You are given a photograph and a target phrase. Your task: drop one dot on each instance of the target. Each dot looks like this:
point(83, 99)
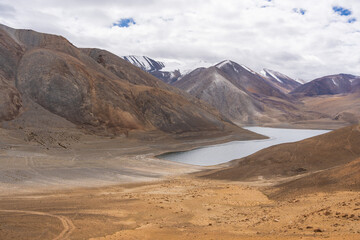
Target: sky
point(304, 39)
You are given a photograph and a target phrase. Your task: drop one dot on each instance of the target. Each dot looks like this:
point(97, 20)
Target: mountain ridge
point(93, 88)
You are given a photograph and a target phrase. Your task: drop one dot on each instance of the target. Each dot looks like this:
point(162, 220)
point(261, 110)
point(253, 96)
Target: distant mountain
point(244, 77)
point(145, 63)
point(213, 86)
point(280, 81)
point(241, 94)
point(154, 67)
point(91, 88)
point(328, 85)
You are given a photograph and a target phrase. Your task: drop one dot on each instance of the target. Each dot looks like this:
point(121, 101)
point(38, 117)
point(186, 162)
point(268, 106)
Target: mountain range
point(46, 75)
point(270, 97)
point(102, 92)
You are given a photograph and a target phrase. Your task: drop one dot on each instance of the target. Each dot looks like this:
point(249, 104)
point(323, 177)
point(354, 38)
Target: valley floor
point(43, 196)
point(178, 208)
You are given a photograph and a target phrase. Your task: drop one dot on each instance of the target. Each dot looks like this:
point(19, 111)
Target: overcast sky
point(301, 38)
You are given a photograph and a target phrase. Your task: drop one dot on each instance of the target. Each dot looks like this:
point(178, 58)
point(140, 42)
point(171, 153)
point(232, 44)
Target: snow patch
point(183, 67)
point(143, 62)
point(273, 75)
point(335, 82)
point(247, 69)
point(263, 73)
point(223, 63)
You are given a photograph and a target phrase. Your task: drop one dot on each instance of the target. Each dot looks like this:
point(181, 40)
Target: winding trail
point(68, 225)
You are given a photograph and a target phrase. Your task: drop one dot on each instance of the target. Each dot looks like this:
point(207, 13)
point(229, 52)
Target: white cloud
point(257, 33)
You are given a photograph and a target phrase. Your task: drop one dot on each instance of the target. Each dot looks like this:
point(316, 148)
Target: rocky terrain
point(246, 97)
point(92, 89)
point(328, 85)
point(280, 81)
point(270, 98)
point(180, 208)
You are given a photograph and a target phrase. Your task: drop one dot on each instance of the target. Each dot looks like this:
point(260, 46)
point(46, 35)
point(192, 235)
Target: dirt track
point(66, 222)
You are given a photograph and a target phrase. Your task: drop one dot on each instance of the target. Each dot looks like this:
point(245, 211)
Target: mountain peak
point(329, 85)
point(223, 63)
point(236, 67)
point(145, 63)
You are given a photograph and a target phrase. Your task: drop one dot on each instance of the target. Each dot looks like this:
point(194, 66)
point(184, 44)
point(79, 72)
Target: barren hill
point(341, 178)
point(92, 88)
point(210, 85)
point(333, 149)
point(243, 96)
point(242, 76)
point(328, 85)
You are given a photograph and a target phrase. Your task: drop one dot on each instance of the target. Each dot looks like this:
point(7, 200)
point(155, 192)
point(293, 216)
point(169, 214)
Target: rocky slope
point(341, 178)
point(280, 81)
point(212, 86)
point(328, 85)
point(92, 88)
point(335, 96)
point(242, 76)
point(242, 95)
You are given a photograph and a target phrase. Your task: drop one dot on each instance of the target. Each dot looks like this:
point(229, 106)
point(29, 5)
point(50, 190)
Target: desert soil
point(178, 208)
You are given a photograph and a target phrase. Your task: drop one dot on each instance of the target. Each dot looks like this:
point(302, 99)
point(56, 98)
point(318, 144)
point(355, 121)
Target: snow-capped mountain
point(245, 77)
point(167, 70)
point(279, 80)
point(240, 93)
point(145, 63)
point(329, 85)
point(155, 68)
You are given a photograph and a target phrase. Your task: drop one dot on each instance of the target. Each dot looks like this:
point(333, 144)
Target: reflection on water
point(216, 154)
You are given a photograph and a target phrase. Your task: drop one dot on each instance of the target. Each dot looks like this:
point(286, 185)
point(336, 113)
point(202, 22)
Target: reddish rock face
point(10, 101)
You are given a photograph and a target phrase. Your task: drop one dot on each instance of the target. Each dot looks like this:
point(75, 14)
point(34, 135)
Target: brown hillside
point(345, 177)
point(329, 150)
point(92, 88)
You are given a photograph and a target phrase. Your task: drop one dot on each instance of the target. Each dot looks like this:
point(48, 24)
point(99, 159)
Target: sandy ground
point(178, 208)
point(43, 195)
point(33, 161)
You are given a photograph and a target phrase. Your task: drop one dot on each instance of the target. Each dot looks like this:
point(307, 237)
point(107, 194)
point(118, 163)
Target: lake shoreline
point(194, 156)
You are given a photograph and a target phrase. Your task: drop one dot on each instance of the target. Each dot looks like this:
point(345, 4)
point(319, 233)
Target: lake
point(221, 153)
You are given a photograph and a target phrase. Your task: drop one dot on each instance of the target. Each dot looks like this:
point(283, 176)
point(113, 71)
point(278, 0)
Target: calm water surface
point(220, 153)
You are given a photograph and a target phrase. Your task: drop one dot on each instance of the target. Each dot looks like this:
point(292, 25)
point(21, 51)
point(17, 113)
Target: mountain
point(242, 95)
point(336, 96)
point(145, 63)
point(155, 68)
point(280, 81)
point(324, 152)
point(91, 88)
point(212, 86)
point(242, 76)
point(328, 85)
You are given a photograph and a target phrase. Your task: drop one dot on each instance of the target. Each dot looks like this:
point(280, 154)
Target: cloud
point(6, 10)
point(303, 39)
